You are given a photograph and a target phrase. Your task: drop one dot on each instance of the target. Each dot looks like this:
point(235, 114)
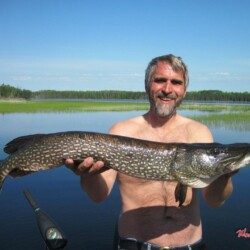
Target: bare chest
point(153, 205)
point(178, 134)
point(150, 193)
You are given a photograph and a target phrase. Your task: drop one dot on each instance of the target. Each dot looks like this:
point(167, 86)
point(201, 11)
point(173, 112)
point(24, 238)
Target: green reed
point(235, 120)
point(78, 106)
point(68, 106)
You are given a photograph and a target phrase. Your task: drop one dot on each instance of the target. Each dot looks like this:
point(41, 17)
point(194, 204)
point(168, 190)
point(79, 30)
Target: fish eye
point(217, 151)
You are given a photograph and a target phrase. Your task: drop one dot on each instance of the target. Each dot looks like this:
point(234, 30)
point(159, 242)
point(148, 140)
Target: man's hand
point(217, 192)
point(97, 184)
point(87, 166)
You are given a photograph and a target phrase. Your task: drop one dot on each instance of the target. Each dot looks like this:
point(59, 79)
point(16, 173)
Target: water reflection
point(232, 124)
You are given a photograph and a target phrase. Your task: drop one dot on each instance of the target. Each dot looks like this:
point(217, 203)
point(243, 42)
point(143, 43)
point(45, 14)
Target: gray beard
point(164, 110)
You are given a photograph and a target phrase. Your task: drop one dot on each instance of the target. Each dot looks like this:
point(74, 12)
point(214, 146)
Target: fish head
point(210, 161)
point(228, 158)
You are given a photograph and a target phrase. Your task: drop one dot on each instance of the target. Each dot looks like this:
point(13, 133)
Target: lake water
point(89, 225)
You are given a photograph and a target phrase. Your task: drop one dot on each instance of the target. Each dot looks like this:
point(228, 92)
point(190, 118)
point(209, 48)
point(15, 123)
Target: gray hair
point(175, 62)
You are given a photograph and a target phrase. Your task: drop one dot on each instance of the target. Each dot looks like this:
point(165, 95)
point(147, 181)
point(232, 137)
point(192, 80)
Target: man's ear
point(185, 93)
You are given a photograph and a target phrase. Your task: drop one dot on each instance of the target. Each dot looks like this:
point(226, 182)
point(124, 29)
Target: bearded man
point(150, 216)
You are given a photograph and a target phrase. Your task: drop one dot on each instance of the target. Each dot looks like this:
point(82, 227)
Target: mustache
point(166, 95)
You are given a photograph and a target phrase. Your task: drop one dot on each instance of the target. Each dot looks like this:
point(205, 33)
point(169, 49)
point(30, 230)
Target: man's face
point(167, 90)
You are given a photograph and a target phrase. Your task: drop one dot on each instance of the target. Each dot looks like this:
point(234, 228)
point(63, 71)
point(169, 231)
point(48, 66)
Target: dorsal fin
point(12, 146)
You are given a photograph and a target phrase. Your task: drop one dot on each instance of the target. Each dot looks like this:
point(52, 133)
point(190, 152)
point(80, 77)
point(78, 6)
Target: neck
point(157, 121)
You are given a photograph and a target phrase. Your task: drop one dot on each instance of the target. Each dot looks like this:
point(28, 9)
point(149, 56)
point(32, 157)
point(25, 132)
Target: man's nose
point(167, 87)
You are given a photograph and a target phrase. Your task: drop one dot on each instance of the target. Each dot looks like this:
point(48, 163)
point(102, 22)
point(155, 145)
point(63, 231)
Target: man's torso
point(149, 209)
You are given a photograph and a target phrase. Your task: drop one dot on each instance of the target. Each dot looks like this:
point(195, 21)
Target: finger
point(96, 167)
point(87, 163)
point(69, 163)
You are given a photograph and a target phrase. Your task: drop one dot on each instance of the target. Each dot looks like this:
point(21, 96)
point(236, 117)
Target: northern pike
point(195, 165)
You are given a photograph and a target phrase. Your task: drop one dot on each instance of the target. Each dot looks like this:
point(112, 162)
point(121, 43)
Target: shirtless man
point(150, 217)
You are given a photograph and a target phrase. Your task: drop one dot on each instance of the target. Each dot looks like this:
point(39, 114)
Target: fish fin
point(12, 146)
point(180, 193)
point(19, 173)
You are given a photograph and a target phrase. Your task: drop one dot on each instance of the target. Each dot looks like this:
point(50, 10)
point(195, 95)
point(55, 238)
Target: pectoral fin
point(180, 193)
point(19, 173)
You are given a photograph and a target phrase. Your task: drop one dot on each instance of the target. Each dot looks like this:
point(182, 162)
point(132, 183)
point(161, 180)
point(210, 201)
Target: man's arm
point(95, 183)
point(217, 192)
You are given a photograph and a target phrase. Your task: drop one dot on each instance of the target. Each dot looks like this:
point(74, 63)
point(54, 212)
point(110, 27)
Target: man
point(150, 217)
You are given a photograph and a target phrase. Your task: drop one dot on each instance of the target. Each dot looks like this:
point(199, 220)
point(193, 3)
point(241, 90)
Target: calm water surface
point(89, 225)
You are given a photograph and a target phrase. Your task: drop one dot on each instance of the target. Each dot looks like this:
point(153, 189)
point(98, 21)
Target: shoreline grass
point(235, 116)
point(77, 106)
point(68, 106)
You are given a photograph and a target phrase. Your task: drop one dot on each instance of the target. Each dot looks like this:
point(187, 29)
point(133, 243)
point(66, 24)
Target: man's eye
point(160, 80)
point(177, 82)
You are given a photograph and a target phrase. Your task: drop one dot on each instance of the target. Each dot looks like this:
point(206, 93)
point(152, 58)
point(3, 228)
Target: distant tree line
point(7, 91)
point(102, 94)
point(217, 95)
point(204, 95)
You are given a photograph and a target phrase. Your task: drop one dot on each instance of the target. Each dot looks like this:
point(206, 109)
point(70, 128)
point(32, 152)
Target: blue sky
point(107, 44)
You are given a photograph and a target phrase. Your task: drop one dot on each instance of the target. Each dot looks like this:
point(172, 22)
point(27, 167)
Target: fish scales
point(195, 165)
point(123, 155)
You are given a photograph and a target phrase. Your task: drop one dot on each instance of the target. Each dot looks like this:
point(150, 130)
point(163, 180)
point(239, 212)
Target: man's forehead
point(166, 67)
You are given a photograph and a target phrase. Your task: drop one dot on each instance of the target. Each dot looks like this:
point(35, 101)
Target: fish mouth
point(234, 162)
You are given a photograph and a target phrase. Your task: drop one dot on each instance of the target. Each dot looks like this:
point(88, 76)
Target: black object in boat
point(51, 233)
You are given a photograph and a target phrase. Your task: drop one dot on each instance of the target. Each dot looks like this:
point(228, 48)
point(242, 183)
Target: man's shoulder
point(198, 131)
point(189, 122)
point(193, 124)
point(127, 127)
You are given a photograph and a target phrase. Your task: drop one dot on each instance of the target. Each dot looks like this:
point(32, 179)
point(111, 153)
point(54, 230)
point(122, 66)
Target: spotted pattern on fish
point(195, 165)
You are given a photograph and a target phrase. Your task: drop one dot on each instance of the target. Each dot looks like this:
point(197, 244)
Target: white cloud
point(219, 76)
point(21, 78)
point(55, 74)
point(222, 74)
